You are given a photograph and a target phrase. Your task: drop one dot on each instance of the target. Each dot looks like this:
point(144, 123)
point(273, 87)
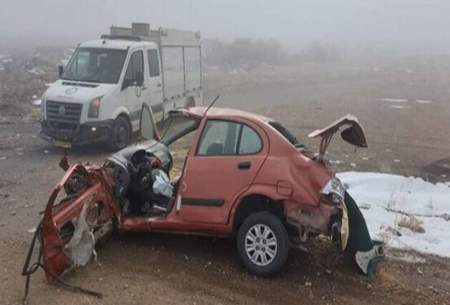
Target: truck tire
point(120, 134)
point(262, 244)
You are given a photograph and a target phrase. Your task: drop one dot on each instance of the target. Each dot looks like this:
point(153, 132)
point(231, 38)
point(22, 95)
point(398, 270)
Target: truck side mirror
point(139, 78)
point(60, 70)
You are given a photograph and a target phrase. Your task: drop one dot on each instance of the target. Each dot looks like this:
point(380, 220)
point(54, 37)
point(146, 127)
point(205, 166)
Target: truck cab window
point(153, 62)
point(136, 64)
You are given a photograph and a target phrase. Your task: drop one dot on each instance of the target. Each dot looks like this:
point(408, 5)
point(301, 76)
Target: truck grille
point(63, 115)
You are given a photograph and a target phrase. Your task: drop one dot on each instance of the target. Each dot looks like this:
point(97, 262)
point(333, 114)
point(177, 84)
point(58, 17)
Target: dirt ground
point(406, 137)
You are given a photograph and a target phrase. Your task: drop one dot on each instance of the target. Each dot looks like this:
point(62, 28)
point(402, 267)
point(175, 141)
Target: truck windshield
point(95, 65)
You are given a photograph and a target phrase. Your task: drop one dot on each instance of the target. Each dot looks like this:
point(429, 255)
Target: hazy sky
point(416, 24)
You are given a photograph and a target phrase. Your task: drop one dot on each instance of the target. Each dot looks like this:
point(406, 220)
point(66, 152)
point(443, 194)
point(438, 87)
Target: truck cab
point(102, 89)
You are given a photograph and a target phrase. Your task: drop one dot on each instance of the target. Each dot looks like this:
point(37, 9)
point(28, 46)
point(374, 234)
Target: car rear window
point(286, 134)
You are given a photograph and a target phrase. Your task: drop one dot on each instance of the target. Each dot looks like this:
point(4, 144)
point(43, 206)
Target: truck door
point(225, 163)
point(154, 83)
point(134, 87)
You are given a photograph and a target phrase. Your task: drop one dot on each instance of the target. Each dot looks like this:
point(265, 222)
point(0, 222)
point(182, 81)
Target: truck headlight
point(94, 108)
point(335, 190)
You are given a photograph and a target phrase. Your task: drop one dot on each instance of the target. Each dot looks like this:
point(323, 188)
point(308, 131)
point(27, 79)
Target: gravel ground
point(170, 269)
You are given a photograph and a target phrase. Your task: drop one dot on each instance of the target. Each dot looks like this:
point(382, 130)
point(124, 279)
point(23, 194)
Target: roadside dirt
point(169, 269)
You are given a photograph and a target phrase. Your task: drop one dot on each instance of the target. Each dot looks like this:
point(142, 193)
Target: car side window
point(153, 62)
point(250, 141)
point(221, 138)
point(136, 64)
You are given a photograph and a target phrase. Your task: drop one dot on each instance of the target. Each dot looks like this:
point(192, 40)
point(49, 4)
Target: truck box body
point(116, 76)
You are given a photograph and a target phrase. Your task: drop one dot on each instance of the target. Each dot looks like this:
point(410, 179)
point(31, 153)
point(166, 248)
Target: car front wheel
point(262, 244)
point(120, 134)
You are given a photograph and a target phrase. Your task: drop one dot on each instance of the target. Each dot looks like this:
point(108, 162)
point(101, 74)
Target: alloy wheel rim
point(261, 245)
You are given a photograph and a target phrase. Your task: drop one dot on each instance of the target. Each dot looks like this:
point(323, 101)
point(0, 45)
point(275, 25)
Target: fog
point(409, 25)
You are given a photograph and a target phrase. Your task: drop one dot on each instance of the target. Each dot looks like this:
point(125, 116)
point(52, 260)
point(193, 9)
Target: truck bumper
point(87, 133)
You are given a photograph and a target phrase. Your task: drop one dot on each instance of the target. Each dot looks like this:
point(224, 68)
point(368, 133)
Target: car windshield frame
point(97, 79)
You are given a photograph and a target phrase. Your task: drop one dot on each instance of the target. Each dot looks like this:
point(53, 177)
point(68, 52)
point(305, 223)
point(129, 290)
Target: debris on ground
point(412, 223)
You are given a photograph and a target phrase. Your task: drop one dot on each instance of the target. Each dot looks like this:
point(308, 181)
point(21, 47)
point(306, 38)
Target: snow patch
point(394, 100)
point(424, 101)
point(385, 199)
point(399, 107)
point(36, 71)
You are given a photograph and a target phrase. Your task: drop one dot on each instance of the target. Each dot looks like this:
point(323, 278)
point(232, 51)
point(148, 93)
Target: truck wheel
point(262, 244)
point(120, 134)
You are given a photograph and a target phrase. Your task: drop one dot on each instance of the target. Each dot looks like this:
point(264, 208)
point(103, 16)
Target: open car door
point(147, 125)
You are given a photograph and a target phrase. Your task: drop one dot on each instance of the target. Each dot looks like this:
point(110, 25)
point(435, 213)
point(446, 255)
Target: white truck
point(101, 91)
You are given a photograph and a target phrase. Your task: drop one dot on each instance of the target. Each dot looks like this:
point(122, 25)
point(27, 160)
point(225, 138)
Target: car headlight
point(94, 108)
point(335, 190)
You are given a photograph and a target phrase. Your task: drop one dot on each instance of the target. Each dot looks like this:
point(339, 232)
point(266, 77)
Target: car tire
point(262, 244)
point(120, 135)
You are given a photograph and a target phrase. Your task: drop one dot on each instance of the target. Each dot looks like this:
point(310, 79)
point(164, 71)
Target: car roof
point(229, 113)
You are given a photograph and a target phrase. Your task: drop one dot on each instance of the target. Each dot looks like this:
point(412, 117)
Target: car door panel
point(210, 184)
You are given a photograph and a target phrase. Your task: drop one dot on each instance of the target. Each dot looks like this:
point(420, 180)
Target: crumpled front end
point(72, 226)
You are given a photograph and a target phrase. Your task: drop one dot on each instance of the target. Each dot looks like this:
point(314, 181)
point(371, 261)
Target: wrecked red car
point(244, 176)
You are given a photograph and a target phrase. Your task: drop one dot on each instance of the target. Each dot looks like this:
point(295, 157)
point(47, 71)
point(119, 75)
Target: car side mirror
point(139, 78)
point(60, 70)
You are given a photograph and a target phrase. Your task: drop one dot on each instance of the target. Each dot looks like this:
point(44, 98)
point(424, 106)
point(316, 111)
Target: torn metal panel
point(81, 246)
point(71, 227)
point(357, 137)
point(353, 133)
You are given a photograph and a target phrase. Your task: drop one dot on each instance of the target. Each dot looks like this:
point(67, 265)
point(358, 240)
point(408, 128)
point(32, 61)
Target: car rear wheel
point(262, 244)
point(120, 134)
